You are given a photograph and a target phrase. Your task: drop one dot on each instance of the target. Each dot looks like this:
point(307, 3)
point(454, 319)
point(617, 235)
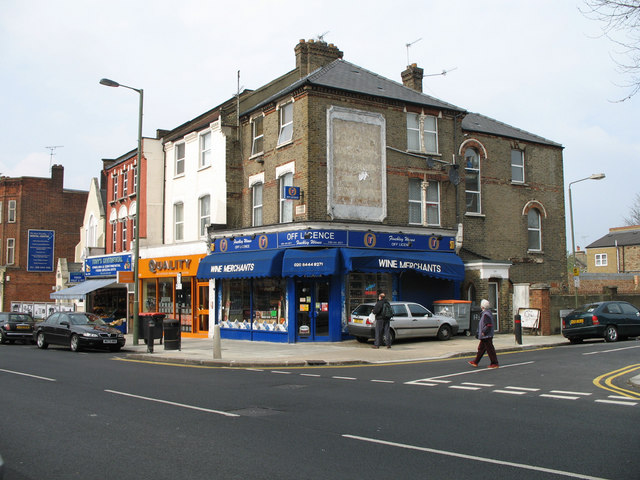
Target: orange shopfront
point(168, 285)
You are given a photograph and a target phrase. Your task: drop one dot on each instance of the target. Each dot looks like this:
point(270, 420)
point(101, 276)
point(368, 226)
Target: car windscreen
point(363, 310)
point(19, 318)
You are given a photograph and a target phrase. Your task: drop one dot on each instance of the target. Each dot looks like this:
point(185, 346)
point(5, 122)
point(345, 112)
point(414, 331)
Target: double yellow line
point(606, 381)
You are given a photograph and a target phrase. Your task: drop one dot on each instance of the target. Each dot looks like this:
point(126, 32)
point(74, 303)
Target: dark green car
point(613, 321)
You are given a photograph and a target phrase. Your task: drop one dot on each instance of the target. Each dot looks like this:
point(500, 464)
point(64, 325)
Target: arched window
point(534, 228)
point(472, 180)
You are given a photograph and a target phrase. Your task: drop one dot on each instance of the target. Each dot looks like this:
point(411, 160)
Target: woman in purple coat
point(485, 335)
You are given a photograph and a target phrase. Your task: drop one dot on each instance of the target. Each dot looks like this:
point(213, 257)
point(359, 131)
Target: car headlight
point(89, 334)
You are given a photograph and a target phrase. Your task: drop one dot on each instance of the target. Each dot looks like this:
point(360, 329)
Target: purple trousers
point(486, 345)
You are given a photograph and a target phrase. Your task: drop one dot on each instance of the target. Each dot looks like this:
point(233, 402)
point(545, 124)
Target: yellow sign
point(576, 272)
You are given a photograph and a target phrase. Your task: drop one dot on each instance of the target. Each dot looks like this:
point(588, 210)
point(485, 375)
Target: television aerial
point(52, 149)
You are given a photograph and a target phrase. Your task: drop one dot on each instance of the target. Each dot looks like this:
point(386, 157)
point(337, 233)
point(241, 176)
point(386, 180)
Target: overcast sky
point(538, 65)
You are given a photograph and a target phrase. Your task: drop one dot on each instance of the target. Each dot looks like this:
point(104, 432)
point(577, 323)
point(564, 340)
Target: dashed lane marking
point(609, 351)
point(28, 375)
point(510, 392)
point(464, 387)
point(560, 397)
point(345, 378)
point(383, 381)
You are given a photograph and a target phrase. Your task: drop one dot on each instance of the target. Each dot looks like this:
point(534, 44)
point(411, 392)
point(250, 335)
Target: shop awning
point(434, 264)
point(80, 290)
point(305, 263)
point(263, 263)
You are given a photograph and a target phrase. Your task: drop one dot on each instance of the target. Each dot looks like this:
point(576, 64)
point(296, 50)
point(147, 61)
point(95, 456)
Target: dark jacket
point(377, 309)
point(485, 327)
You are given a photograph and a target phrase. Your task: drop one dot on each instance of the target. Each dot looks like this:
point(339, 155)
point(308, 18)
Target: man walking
point(383, 321)
point(485, 335)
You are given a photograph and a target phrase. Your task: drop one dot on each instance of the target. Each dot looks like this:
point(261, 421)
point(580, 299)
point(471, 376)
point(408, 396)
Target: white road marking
point(282, 373)
point(618, 397)
point(463, 387)
point(344, 378)
point(561, 397)
point(487, 385)
point(618, 402)
point(510, 392)
point(473, 458)
point(175, 404)
point(468, 372)
point(383, 381)
point(28, 375)
point(430, 382)
point(526, 389)
point(563, 392)
point(609, 351)
point(309, 375)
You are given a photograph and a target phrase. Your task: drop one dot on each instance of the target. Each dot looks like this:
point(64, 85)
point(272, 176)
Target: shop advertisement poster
point(107, 266)
point(40, 251)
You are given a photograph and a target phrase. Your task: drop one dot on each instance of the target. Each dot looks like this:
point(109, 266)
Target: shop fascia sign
point(107, 266)
point(333, 238)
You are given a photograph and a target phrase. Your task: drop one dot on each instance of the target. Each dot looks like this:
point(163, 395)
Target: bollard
point(151, 325)
point(517, 328)
point(217, 346)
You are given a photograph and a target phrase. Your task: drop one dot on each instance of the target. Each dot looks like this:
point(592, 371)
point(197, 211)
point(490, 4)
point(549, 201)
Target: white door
point(493, 299)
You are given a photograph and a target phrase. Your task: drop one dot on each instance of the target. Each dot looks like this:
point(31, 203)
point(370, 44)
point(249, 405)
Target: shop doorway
point(202, 325)
point(312, 310)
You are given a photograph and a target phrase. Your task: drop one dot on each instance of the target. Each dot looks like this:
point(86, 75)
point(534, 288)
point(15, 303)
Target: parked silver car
point(409, 320)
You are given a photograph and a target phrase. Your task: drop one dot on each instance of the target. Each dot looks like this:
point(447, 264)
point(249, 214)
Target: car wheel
point(40, 341)
point(362, 339)
point(444, 333)
point(611, 334)
point(575, 340)
point(74, 344)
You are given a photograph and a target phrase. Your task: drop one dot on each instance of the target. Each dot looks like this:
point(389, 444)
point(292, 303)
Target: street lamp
point(594, 176)
point(136, 245)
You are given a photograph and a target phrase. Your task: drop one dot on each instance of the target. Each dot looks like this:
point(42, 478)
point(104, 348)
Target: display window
point(258, 304)
point(364, 288)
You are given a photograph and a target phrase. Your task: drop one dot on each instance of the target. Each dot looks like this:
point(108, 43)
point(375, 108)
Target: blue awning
point(434, 264)
point(263, 263)
point(80, 290)
point(304, 262)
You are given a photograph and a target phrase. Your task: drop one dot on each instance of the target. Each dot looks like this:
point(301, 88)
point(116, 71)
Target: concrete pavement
point(241, 353)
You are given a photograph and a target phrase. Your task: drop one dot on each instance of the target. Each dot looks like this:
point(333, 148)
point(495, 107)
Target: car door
point(46, 328)
point(400, 322)
point(631, 319)
point(424, 322)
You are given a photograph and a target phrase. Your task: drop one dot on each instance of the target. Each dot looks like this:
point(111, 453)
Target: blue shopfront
point(300, 285)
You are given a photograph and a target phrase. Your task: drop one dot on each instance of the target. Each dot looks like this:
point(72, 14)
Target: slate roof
point(343, 75)
point(474, 122)
point(624, 239)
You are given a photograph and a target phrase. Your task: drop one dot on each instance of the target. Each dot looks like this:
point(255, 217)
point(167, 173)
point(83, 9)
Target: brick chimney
point(412, 77)
point(57, 176)
point(312, 55)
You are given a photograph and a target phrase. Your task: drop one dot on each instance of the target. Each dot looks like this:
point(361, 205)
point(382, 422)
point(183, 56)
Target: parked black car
point(609, 320)
point(16, 326)
point(77, 330)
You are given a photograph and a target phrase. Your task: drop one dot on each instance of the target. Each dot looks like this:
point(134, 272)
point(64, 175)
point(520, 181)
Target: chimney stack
point(312, 55)
point(412, 77)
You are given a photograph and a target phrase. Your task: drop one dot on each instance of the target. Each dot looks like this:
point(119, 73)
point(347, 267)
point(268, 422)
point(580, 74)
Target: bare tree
point(621, 24)
point(634, 212)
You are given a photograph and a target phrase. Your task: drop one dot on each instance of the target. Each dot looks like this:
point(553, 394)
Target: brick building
point(616, 252)
point(40, 223)
point(350, 183)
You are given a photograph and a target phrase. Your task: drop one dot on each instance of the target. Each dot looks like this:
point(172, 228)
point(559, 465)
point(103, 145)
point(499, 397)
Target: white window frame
point(517, 168)
point(1, 211)
point(601, 260)
point(204, 216)
point(417, 134)
point(286, 206)
point(285, 130)
point(135, 179)
point(205, 150)
point(179, 161)
point(178, 221)
point(11, 211)
point(114, 237)
point(257, 219)
point(115, 186)
point(125, 183)
point(433, 203)
point(257, 138)
point(474, 171)
point(535, 230)
point(415, 204)
point(11, 251)
point(124, 234)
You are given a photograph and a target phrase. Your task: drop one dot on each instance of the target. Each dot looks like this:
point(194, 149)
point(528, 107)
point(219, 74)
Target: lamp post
point(594, 176)
point(136, 245)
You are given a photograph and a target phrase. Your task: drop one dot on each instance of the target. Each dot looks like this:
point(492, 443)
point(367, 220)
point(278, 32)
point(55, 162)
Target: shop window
point(266, 295)
point(165, 295)
point(236, 304)
point(148, 295)
point(364, 288)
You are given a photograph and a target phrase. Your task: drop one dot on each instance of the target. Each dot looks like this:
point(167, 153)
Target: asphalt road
point(565, 412)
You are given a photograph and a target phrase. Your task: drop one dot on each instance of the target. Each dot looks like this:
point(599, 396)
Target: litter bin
point(143, 326)
point(172, 336)
point(458, 309)
point(476, 313)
